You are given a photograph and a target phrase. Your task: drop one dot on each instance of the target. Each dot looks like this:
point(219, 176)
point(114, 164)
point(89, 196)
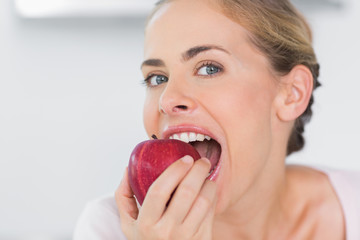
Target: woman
point(241, 72)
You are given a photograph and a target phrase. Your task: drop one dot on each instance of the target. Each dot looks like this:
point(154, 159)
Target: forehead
point(182, 24)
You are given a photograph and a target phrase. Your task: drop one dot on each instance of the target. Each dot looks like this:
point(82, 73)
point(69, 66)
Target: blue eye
point(208, 69)
point(154, 80)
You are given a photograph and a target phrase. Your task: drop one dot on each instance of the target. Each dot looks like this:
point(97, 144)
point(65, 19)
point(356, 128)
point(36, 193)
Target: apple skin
point(150, 158)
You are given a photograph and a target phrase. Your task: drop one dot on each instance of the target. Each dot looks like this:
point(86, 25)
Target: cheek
point(241, 106)
point(244, 113)
point(150, 114)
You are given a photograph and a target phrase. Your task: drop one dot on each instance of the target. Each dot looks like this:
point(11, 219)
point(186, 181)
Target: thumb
point(125, 201)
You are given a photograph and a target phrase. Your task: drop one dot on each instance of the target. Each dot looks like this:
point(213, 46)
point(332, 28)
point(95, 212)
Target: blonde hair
point(282, 34)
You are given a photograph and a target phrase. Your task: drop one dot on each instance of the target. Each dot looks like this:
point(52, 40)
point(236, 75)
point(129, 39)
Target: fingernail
point(206, 160)
point(187, 159)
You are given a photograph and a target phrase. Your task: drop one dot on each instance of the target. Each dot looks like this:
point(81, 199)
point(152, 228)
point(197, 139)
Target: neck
point(261, 210)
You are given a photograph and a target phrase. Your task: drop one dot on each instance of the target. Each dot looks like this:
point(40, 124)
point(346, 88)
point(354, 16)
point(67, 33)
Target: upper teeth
point(189, 137)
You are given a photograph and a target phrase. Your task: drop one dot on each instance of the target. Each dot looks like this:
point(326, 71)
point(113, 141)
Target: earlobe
point(295, 93)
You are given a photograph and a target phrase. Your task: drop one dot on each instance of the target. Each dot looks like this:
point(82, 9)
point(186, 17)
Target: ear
point(295, 91)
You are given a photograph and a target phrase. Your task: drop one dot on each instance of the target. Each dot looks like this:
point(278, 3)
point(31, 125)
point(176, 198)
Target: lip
point(196, 129)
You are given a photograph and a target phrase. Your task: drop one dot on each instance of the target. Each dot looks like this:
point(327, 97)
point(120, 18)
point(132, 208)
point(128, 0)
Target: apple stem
point(154, 136)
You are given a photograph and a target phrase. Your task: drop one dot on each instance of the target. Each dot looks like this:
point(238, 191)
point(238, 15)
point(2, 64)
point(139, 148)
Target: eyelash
point(207, 64)
point(146, 81)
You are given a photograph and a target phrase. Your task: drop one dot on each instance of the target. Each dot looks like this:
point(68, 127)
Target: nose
point(176, 98)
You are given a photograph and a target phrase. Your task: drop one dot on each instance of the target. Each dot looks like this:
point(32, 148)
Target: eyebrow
point(192, 52)
point(153, 63)
point(186, 56)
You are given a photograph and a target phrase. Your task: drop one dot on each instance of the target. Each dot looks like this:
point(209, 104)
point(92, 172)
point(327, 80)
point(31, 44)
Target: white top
point(100, 219)
point(347, 187)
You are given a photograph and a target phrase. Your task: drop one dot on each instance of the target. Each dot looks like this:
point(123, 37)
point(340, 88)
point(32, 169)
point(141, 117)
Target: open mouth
point(205, 145)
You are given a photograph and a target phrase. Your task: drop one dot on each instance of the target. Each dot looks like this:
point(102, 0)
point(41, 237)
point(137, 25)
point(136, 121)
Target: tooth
point(200, 137)
point(207, 137)
point(175, 136)
point(184, 137)
point(171, 137)
point(192, 137)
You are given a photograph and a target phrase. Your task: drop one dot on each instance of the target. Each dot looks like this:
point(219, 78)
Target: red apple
point(150, 158)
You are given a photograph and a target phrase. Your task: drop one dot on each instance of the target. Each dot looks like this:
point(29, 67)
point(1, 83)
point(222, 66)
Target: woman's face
point(204, 76)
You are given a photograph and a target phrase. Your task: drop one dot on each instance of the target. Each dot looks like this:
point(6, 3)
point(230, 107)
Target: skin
point(251, 110)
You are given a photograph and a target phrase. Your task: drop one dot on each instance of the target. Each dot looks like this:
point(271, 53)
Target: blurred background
point(71, 103)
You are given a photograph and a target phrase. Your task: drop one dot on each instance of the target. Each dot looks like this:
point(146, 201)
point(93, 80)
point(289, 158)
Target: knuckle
point(204, 201)
point(187, 191)
point(183, 232)
point(155, 187)
point(178, 233)
point(157, 192)
point(143, 227)
point(162, 232)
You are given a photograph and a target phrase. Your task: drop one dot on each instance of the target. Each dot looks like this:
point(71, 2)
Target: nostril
point(174, 109)
point(181, 107)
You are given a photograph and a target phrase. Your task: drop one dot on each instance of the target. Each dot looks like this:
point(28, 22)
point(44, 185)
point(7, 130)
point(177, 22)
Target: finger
point(160, 191)
point(187, 192)
point(206, 227)
point(125, 201)
point(201, 207)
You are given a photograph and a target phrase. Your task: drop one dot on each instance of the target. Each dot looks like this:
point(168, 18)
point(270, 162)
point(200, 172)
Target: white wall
point(70, 111)
point(70, 114)
point(333, 134)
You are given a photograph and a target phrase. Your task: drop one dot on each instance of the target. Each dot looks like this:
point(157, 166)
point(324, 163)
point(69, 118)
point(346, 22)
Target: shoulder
point(346, 186)
point(99, 220)
point(346, 183)
point(318, 207)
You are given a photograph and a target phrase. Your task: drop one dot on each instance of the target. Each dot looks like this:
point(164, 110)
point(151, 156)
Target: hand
point(189, 214)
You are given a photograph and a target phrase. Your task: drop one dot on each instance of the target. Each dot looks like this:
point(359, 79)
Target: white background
point(71, 111)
